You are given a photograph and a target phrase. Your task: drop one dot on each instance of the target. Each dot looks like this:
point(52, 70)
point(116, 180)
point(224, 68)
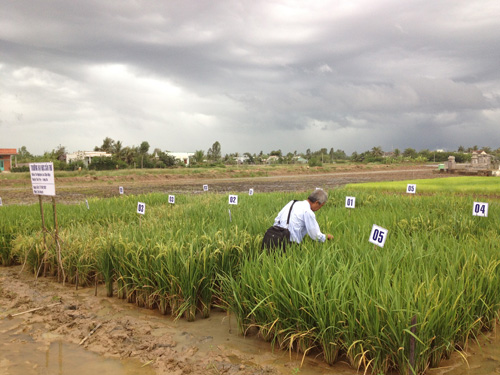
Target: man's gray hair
point(318, 195)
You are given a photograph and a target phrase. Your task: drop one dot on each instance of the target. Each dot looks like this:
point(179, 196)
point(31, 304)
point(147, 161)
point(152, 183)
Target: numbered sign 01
point(378, 235)
point(141, 208)
point(480, 209)
point(233, 199)
point(350, 202)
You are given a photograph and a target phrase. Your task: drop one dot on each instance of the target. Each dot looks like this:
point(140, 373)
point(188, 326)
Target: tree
point(199, 156)
point(214, 153)
point(377, 151)
point(410, 153)
point(59, 153)
point(107, 146)
point(117, 149)
point(143, 150)
point(24, 154)
point(250, 158)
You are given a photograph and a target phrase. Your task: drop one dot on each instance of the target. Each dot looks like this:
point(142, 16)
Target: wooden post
point(44, 230)
point(58, 245)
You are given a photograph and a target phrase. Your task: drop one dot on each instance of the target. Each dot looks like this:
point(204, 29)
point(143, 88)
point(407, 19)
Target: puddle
point(21, 355)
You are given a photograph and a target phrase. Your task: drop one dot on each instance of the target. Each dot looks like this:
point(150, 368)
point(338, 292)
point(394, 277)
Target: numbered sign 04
point(480, 209)
point(378, 235)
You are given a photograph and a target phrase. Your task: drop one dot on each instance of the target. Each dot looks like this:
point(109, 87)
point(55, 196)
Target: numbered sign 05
point(171, 199)
point(378, 235)
point(480, 209)
point(233, 199)
point(141, 208)
point(350, 202)
point(411, 188)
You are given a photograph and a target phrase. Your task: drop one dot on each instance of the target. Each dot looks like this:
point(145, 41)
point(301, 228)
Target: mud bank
point(132, 340)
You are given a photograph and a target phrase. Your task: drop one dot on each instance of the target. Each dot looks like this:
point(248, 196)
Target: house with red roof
point(6, 158)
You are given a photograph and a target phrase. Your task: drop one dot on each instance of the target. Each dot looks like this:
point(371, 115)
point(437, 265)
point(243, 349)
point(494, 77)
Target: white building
point(86, 156)
point(182, 156)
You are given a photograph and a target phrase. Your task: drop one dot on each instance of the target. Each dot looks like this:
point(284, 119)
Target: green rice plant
point(342, 299)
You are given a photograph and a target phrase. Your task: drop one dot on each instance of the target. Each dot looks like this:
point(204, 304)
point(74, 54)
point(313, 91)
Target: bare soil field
point(76, 189)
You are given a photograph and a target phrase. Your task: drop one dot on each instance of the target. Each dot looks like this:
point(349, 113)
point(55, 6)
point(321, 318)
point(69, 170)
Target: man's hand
point(329, 237)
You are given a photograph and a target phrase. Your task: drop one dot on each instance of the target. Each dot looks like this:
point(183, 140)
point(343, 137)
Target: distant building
point(86, 156)
point(273, 159)
point(182, 156)
point(481, 164)
point(6, 158)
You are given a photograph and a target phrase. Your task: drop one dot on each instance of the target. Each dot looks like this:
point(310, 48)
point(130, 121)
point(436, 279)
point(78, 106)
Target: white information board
point(411, 188)
point(480, 209)
point(171, 199)
point(350, 202)
point(378, 235)
point(233, 199)
point(42, 178)
point(141, 208)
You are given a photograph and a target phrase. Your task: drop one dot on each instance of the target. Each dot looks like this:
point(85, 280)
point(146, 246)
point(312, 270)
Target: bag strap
point(289, 213)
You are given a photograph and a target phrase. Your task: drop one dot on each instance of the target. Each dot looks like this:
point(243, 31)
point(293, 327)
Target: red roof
point(8, 151)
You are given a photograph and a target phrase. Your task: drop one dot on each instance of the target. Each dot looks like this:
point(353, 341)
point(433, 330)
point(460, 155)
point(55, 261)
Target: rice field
point(403, 307)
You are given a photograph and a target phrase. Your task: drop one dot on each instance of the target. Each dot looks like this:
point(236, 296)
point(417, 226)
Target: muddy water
point(21, 355)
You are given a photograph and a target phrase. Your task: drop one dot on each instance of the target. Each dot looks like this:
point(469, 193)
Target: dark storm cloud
point(183, 74)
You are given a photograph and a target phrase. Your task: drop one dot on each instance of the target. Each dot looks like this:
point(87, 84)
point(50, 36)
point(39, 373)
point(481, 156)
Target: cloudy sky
point(255, 75)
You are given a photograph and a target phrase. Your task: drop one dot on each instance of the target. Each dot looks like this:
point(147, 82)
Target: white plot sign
point(250, 192)
point(233, 199)
point(141, 208)
point(42, 178)
point(350, 202)
point(480, 209)
point(378, 235)
point(205, 187)
point(411, 188)
point(171, 199)
point(1, 204)
point(120, 189)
